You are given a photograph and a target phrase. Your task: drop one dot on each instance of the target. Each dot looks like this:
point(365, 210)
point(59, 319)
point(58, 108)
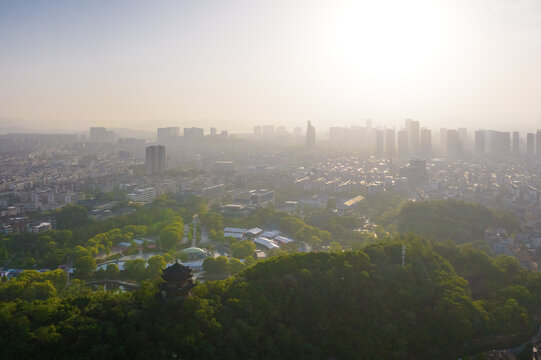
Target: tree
point(216, 235)
point(234, 266)
point(155, 266)
point(3, 253)
point(112, 271)
point(71, 216)
point(39, 291)
point(80, 251)
point(167, 257)
point(171, 235)
point(221, 265)
point(85, 265)
point(136, 269)
point(331, 204)
point(209, 264)
point(58, 277)
point(249, 261)
point(215, 265)
point(242, 249)
point(315, 241)
point(335, 247)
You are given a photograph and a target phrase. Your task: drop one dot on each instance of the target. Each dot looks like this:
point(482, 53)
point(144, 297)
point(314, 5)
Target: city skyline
point(70, 65)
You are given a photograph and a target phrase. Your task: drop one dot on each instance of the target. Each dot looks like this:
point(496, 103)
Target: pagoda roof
point(177, 272)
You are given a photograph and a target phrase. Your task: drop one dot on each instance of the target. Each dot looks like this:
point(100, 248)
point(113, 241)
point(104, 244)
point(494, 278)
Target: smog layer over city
point(270, 179)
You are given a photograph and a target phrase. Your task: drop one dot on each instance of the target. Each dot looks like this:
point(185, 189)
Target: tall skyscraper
point(102, 135)
point(355, 136)
point(336, 135)
point(281, 131)
point(379, 143)
point(390, 143)
point(194, 132)
point(368, 133)
point(530, 142)
point(403, 140)
point(454, 146)
point(463, 137)
point(155, 160)
point(407, 124)
point(414, 136)
point(426, 141)
point(480, 142)
point(310, 135)
point(213, 131)
point(443, 139)
point(500, 143)
point(368, 125)
point(98, 134)
point(257, 131)
point(168, 134)
point(538, 144)
point(268, 131)
point(516, 143)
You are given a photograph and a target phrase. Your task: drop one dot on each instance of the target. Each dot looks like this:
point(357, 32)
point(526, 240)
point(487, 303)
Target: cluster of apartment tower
point(412, 140)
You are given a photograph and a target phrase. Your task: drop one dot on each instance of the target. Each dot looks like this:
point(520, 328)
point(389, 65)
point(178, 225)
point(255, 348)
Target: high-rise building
point(480, 142)
point(379, 143)
point(213, 131)
point(500, 143)
point(530, 142)
point(402, 142)
point(102, 135)
point(516, 143)
point(98, 134)
point(281, 131)
point(336, 135)
point(454, 145)
point(310, 135)
point(155, 160)
point(538, 144)
point(414, 136)
point(407, 124)
point(268, 131)
point(443, 139)
point(390, 143)
point(426, 141)
point(463, 137)
point(257, 131)
point(354, 136)
point(194, 132)
point(168, 134)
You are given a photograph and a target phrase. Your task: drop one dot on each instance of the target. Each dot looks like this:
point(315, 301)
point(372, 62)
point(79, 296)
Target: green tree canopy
point(85, 265)
point(242, 249)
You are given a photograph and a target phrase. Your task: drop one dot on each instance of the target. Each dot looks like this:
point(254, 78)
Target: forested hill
point(352, 305)
point(450, 219)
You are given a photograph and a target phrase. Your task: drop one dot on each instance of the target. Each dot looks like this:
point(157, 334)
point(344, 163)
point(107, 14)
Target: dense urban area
point(413, 243)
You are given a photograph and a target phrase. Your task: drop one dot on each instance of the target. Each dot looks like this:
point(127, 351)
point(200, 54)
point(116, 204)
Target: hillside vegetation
point(450, 219)
point(347, 305)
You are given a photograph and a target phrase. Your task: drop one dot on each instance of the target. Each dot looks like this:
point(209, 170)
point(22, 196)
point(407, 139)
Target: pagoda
point(178, 281)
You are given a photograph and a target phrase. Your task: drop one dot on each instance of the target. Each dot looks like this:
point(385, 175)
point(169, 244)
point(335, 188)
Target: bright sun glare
point(392, 41)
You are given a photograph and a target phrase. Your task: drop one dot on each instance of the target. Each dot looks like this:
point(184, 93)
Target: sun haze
point(70, 65)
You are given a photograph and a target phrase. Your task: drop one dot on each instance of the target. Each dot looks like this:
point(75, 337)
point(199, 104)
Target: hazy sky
point(232, 64)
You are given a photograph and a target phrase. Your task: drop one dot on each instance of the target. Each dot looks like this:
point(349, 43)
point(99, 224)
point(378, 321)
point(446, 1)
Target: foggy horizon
point(69, 66)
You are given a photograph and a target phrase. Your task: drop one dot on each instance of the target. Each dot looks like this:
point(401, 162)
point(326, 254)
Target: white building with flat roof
point(143, 195)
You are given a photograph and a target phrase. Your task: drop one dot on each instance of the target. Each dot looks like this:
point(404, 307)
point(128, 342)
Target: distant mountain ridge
point(9, 125)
